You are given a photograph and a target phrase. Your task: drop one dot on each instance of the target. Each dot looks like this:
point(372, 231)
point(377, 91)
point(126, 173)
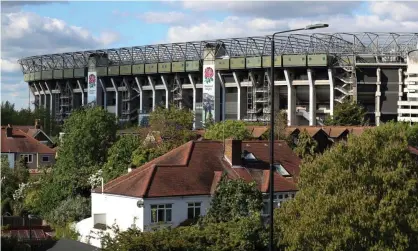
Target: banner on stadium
point(92, 87)
point(208, 101)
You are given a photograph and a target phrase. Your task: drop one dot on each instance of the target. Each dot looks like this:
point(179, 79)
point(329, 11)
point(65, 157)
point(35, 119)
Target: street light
point(309, 27)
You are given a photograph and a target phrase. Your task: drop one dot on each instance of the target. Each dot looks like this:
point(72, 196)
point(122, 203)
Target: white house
point(177, 186)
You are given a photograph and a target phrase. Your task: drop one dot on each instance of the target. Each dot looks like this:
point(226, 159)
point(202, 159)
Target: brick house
point(16, 144)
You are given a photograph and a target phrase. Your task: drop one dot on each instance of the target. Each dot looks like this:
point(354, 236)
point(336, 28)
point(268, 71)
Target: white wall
point(179, 207)
point(121, 210)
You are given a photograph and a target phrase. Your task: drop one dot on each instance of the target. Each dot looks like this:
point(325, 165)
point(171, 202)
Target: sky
point(36, 28)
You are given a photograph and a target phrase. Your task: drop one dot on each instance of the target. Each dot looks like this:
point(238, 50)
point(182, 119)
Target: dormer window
point(281, 170)
point(248, 156)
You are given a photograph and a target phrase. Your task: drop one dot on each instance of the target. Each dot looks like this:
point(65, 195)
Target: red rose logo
point(92, 79)
point(208, 72)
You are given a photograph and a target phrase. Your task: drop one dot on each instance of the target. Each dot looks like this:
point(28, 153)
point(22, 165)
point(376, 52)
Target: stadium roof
point(372, 43)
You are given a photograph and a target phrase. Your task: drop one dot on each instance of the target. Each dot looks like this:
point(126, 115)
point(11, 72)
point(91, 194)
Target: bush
point(228, 129)
point(70, 210)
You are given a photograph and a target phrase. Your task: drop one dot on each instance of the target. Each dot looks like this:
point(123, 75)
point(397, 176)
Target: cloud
point(15, 6)
point(28, 34)
point(171, 17)
point(234, 26)
point(273, 9)
point(399, 11)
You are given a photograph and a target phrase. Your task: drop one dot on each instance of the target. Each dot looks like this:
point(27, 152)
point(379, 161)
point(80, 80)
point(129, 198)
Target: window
point(249, 156)
point(45, 158)
point(193, 210)
point(161, 213)
point(280, 169)
point(28, 157)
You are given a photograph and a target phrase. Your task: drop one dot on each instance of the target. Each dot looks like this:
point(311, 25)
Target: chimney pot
point(233, 151)
point(9, 131)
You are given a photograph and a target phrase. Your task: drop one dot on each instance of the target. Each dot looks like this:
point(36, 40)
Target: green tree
point(228, 129)
point(8, 185)
point(412, 135)
point(234, 199)
point(280, 127)
point(70, 210)
point(359, 195)
point(120, 156)
point(306, 146)
point(89, 133)
point(348, 113)
point(144, 154)
point(173, 124)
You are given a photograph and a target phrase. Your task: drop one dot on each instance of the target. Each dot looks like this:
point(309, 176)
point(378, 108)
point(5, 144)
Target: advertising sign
point(208, 101)
point(91, 87)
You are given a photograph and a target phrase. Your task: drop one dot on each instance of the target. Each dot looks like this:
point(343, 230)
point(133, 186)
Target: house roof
point(21, 142)
point(257, 131)
point(196, 167)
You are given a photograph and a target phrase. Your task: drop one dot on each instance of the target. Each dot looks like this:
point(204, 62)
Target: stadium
point(228, 78)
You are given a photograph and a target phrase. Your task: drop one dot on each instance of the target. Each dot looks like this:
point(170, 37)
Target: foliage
point(70, 210)
point(209, 121)
point(234, 199)
point(228, 129)
point(143, 154)
point(9, 115)
point(348, 113)
point(120, 156)
point(280, 126)
point(359, 195)
point(173, 124)
point(13, 184)
point(306, 146)
point(89, 133)
point(412, 135)
point(246, 233)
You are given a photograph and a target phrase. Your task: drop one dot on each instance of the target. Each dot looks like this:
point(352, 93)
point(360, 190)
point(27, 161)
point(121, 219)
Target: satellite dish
point(140, 203)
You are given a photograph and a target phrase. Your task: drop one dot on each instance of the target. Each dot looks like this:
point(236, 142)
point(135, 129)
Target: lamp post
point(309, 27)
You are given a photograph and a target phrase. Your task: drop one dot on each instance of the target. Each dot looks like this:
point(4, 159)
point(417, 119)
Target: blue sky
point(41, 28)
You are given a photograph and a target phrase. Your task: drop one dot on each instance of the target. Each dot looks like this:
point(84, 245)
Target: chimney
point(9, 131)
point(37, 123)
point(233, 151)
point(131, 168)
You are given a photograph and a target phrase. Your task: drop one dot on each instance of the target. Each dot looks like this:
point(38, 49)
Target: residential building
point(16, 144)
point(36, 132)
point(178, 185)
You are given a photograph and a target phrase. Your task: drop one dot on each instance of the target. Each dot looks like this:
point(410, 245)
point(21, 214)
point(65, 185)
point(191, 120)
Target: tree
point(89, 133)
point(173, 124)
point(412, 135)
point(348, 113)
point(228, 129)
point(70, 210)
point(306, 146)
point(120, 156)
point(359, 195)
point(280, 128)
point(234, 199)
point(144, 154)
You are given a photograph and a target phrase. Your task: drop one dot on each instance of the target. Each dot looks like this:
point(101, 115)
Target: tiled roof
point(196, 167)
point(257, 131)
point(21, 142)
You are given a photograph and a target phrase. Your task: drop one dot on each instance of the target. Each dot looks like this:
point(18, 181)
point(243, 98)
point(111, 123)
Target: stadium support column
point(50, 98)
point(331, 92)
point(194, 99)
point(43, 91)
point(39, 94)
point(140, 93)
point(239, 99)
point(167, 93)
point(82, 92)
point(291, 99)
point(312, 99)
point(377, 99)
point(151, 83)
point(117, 97)
point(211, 87)
point(104, 92)
point(221, 80)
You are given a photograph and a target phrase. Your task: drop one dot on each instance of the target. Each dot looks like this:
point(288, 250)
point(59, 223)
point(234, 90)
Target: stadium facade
point(228, 78)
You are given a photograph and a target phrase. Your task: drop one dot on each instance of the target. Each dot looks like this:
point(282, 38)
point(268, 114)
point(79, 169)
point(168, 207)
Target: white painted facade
point(123, 211)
